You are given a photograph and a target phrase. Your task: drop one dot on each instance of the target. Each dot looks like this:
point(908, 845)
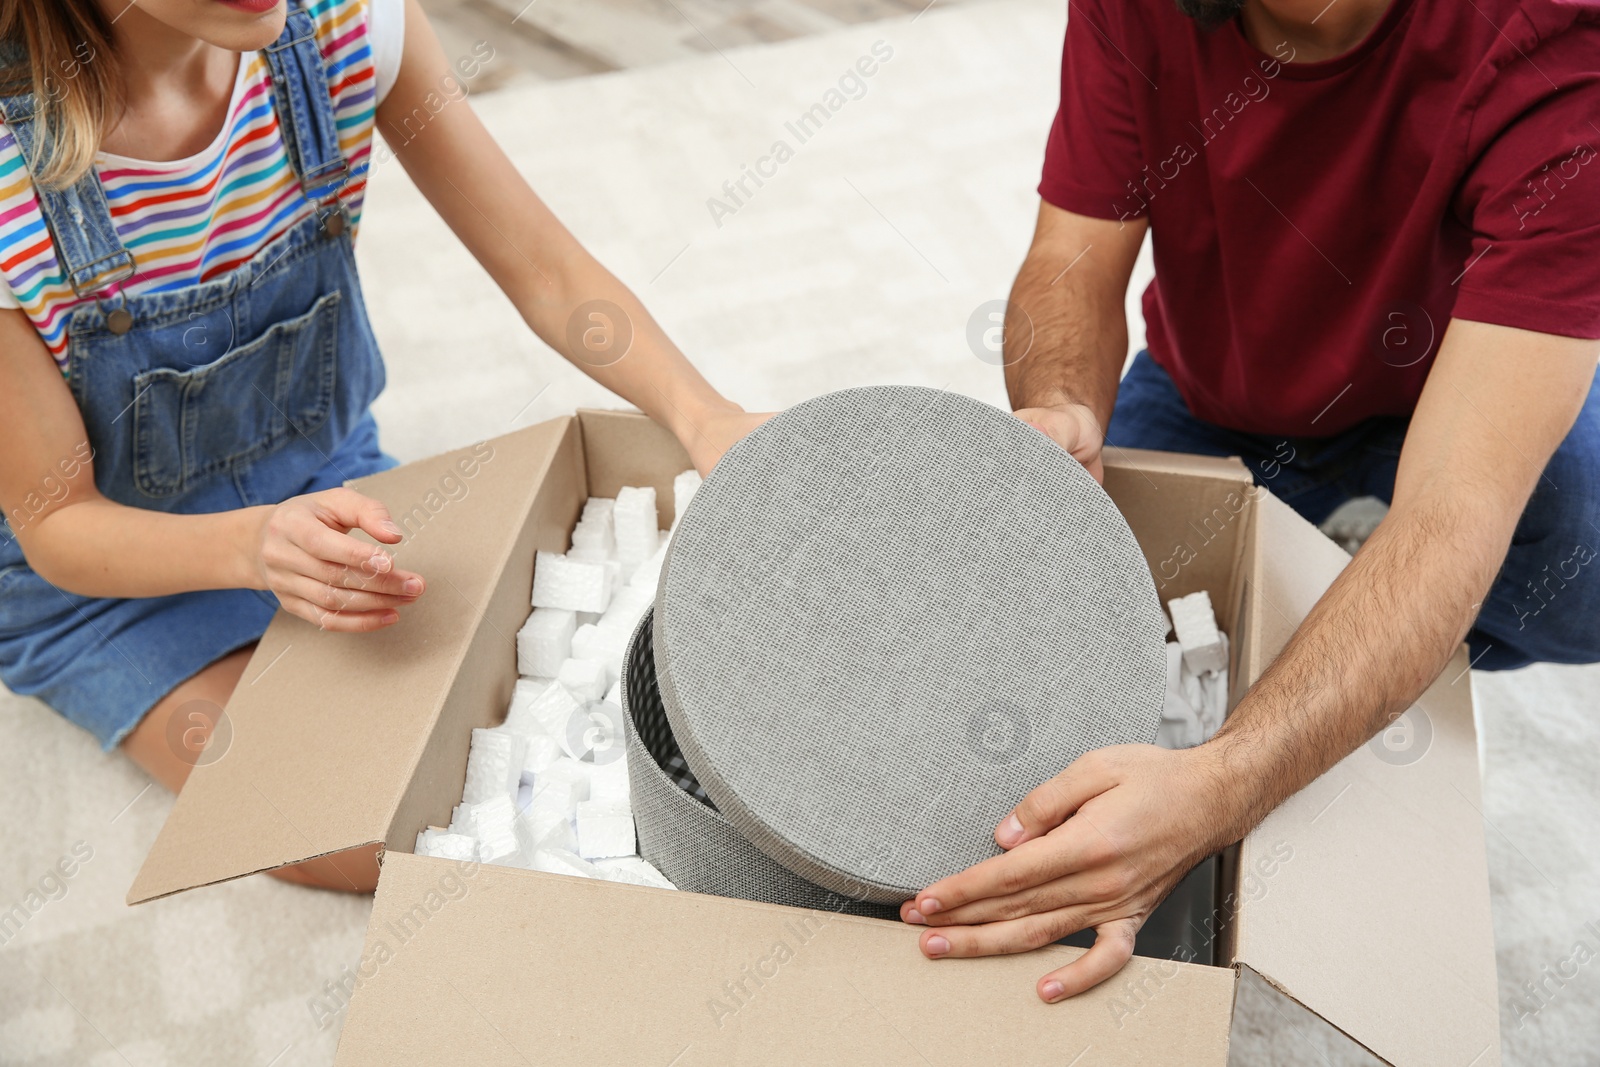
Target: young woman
point(186, 365)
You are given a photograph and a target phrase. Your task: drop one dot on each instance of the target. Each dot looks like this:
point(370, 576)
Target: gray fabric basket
point(679, 829)
point(887, 615)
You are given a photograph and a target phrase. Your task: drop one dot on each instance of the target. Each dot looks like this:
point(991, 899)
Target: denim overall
point(247, 389)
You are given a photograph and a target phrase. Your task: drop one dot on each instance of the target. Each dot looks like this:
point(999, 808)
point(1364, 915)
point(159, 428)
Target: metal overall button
point(334, 222)
point(104, 287)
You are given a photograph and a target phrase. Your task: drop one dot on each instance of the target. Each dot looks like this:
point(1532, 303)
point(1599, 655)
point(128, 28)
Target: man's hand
point(1061, 375)
point(1099, 845)
point(1074, 428)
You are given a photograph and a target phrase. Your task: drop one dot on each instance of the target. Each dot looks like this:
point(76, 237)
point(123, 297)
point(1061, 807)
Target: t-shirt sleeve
point(7, 301)
point(386, 35)
point(1531, 199)
point(1093, 151)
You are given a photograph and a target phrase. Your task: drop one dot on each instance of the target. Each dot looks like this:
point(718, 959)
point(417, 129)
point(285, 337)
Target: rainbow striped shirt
point(190, 220)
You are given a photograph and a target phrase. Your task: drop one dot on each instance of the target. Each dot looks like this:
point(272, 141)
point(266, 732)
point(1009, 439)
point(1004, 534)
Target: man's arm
point(1062, 373)
point(1103, 842)
point(1497, 404)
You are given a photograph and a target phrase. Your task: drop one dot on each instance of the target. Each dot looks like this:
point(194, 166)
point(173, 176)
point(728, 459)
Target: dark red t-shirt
point(1317, 225)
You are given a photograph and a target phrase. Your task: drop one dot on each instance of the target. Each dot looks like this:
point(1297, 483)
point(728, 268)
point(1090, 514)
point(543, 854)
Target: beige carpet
point(860, 262)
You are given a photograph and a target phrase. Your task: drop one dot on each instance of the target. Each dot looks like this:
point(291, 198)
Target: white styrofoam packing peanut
point(684, 487)
point(494, 765)
point(543, 750)
point(638, 530)
point(544, 641)
point(596, 535)
point(568, 771)
point(563, 861)
point(595, 737)
point(559, 582)
point(605, 829)
point(496, 822)
point(632, 870)
point(587, 605)
point(628, 604)
point(1207, 693)
point(449, 846)
point(544, 707)
point(1194, 705)
point(614, 660)
point(609, 781)
point(648, 574)
point(585, 679)
point(1196, 626)
point(525, 696)
point(586, 641)
point(462, 821)
point(547, 822)
point(608, 646)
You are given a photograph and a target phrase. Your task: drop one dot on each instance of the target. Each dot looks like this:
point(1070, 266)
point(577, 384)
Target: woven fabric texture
point(890, 613)
point(678, 829)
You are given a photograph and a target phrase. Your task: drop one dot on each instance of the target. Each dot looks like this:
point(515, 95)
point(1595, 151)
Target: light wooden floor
point(547, 40)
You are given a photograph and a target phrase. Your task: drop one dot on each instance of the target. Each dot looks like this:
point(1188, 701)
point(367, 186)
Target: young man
point(1376, 228)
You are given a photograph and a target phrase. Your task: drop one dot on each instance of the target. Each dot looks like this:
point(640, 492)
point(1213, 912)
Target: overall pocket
point(191, 424)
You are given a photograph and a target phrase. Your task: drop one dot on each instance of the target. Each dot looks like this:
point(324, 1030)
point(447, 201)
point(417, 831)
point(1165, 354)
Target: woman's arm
point(82, 542)
point(538, 264)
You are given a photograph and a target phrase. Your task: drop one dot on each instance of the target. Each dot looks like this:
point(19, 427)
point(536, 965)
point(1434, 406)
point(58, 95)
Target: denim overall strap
point(87, 246)
point(305, 112)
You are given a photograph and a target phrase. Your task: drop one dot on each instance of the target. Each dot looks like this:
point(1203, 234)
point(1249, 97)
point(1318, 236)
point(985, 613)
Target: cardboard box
point(1364, 898)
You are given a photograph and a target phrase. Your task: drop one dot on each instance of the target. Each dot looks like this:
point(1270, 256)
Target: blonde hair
point(72, 72)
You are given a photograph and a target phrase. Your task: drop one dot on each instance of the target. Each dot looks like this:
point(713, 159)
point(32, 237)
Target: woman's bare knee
point(173, 736)
point(355, 871)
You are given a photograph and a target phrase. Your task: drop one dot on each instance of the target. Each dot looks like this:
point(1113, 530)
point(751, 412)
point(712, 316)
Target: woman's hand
point(303, 553)
point(716, 433)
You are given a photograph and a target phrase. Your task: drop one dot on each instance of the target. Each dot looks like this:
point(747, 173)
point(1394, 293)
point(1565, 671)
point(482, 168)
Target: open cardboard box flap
point(507, 968)
point(335, 741)
point(1379, 922)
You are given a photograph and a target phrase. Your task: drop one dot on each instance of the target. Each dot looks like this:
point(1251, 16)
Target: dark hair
point(1210, 14)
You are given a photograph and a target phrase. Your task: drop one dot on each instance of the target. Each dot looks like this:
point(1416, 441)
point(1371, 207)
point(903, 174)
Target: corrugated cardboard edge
point(472, 965)
point(1246, 971)
point(1227, 468)
point(1400, 902)
point(223, 825)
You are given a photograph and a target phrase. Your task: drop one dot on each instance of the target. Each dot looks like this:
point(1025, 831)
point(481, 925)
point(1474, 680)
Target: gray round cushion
point(679, 831)
point(887, 616)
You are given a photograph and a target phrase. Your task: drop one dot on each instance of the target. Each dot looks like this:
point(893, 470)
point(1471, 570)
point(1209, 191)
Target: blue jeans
point(1544, 605)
